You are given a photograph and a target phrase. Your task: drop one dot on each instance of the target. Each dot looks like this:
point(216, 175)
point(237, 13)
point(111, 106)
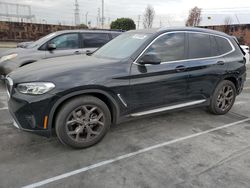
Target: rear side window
point(223, 44)
point(199, 46)
point(115, 35)
point(95, 40)
point(214, 46)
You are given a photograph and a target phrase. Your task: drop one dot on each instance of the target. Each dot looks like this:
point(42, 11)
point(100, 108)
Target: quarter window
point(114, 35)
point(199, 46)
point(67, 41)
point(95, 40)
point(224, 45)
point(170, 47)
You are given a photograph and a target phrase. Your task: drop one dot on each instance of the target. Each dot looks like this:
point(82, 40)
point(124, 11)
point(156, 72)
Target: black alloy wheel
point(223, 98)
point(83, 122)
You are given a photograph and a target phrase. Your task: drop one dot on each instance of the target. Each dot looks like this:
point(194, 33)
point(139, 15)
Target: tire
point(223, 98)
point(82, 122)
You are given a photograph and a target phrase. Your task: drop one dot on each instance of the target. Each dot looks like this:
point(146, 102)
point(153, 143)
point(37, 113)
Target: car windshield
point(123, 46)
point(41, 40)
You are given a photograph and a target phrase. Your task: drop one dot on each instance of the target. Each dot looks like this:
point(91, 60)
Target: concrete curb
point(7, 45)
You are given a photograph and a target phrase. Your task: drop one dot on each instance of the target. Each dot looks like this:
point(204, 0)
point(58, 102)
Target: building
point(241, 31)
point(236, 25)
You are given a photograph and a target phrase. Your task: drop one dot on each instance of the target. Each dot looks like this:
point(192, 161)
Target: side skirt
point(162, 109)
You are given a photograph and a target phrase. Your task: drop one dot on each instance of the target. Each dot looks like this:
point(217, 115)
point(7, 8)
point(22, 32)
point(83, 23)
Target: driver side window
point(170, 47)
point(66, 41)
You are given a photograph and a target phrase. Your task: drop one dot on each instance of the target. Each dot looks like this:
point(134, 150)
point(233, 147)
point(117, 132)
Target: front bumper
point(31, 113)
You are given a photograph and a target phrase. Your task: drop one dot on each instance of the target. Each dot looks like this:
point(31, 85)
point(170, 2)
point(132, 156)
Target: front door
point(66, 44)
point(165, 84)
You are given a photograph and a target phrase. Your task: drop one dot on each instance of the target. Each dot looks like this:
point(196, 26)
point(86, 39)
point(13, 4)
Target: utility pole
point(98, 17)
point(160, 23)
point(102, 14)
point(77, 13)
point(138, 22)
point(86, 18)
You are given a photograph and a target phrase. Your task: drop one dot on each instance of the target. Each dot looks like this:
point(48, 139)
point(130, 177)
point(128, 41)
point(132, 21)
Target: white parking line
point(103, 163)
point(246, 87)
point(248, 78)
point(240, 102)
point(4, 108)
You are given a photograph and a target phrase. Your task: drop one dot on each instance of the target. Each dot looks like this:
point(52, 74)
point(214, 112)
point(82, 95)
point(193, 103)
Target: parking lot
point(190, 148)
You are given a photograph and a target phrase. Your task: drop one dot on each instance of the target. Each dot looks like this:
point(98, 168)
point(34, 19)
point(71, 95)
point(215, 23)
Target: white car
point(246, 49)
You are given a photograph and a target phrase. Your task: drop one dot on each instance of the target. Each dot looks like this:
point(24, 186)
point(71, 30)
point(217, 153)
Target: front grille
point(9, 85)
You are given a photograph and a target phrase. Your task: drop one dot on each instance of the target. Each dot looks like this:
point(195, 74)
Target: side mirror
point(51, 46)
point(89, 53)
point(150, 59)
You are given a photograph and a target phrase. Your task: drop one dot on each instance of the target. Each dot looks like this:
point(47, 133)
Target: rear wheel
point(82, 122)
point(223, 98)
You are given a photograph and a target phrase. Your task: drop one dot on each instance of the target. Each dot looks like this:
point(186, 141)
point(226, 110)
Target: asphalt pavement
point(189, 148)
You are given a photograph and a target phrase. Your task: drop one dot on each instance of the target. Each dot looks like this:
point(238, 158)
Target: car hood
point(62, 69)
point(18, 51)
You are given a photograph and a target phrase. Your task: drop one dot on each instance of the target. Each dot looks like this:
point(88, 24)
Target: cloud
point(168, 12)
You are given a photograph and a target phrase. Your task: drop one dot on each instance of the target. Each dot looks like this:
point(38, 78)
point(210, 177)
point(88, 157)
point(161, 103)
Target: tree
point(82, 26)
point(227, 23)
point(123, 24)
point(194, 17)
point(149, 16)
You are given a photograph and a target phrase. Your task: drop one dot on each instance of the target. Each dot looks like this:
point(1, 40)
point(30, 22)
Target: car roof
point(188, 29)
point(87, 31)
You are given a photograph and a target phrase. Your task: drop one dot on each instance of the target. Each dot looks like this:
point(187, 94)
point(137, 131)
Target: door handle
point(77, 52)
point(180, 68)
point(220, 63)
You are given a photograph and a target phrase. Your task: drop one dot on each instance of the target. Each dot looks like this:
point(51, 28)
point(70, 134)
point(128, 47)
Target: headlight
point(8, 57)
point(35, 88)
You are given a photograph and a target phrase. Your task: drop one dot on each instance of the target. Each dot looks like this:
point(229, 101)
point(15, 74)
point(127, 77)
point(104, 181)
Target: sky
point(168, 12)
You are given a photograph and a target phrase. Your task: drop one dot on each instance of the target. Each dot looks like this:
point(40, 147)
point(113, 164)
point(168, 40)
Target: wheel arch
point(27, 62)
point(235, 81)
point(102, 95)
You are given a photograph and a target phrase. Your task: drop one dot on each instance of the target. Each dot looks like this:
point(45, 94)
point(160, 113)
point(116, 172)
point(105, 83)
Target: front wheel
point(82, 122)
point(223, 98)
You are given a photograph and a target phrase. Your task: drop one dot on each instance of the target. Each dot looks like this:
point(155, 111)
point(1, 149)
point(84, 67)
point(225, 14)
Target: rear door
point(206, 63)
point(93, 41)
point(66, 44)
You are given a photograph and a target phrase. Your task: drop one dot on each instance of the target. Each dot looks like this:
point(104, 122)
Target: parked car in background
point(246, 50)
point(61, 43)
point(24, 44)
point(139, 73)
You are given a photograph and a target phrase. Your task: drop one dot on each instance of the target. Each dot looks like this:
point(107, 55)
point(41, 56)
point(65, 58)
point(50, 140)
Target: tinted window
point(224, 45)
point(66, 41)
point(95, 40)
point(214, 46)
point(115, 35)
point(199, 46)
point(170, 47)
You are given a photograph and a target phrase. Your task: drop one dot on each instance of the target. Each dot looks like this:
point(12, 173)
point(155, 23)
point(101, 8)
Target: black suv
point(57, 44)
point(139, 73)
